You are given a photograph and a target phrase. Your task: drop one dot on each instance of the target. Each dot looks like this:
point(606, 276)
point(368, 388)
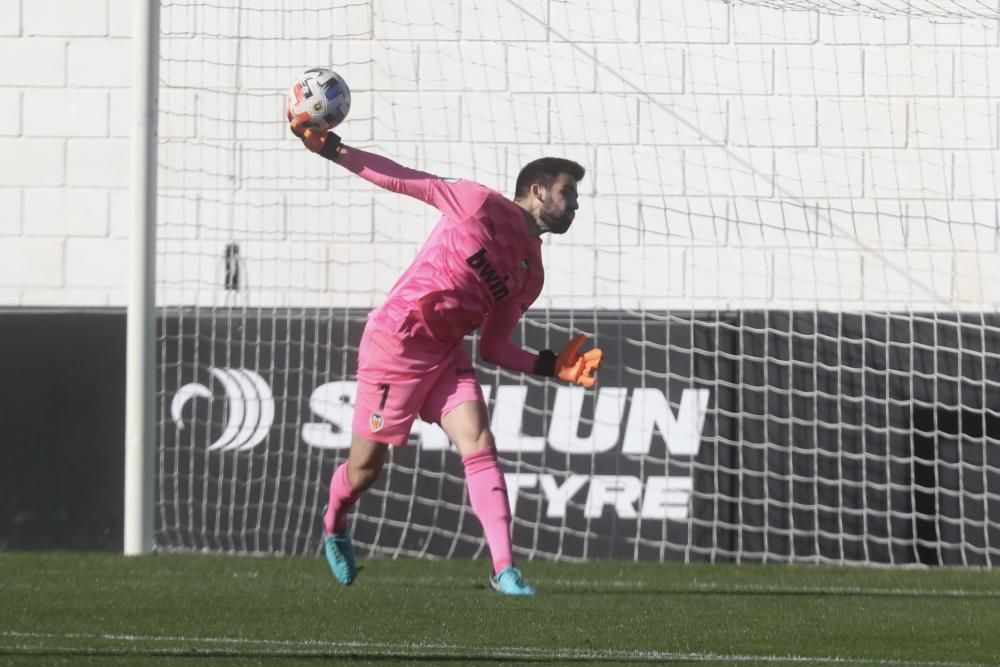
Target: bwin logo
point(250, 404)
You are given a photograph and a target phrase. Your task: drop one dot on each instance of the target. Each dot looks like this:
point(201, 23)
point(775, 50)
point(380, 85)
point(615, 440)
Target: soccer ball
point(319, 99)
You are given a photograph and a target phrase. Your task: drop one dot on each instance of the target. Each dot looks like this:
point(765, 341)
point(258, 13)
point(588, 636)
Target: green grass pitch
point(92, 609)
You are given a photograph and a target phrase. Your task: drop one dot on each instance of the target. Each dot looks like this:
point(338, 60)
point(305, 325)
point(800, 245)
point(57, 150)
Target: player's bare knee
point(362, 477)
point(476, 441)
point(486, 440)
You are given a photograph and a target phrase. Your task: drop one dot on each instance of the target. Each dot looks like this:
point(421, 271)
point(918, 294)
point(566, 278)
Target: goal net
point(786, 246)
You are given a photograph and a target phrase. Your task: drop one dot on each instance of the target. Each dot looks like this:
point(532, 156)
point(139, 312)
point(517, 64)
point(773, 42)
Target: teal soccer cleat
point(510, 582)
point(340, 556)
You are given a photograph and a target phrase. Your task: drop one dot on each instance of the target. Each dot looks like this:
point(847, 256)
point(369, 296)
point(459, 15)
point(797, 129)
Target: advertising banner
point(257, 412)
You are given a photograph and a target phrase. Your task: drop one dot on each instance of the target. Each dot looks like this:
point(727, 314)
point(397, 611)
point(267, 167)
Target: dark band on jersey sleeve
point(332, 147)
point(545, 364)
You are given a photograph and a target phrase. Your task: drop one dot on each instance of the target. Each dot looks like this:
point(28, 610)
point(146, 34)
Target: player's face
point(559, 204)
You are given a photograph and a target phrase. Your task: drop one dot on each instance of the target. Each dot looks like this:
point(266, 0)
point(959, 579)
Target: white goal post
point(140, 413)
point(786, 246)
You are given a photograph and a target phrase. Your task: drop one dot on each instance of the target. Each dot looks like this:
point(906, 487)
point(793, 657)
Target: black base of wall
point(63, 426)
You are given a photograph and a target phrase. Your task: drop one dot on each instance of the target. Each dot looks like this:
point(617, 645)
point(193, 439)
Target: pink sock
point(342, 499)
point(488, 495)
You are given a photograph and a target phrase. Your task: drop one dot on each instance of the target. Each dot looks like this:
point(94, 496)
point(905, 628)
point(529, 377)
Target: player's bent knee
point(475, 442)
point(485, 441)
point(361, 479)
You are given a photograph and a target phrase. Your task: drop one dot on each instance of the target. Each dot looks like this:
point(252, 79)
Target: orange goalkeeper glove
point(327, 144)
point(570, 366)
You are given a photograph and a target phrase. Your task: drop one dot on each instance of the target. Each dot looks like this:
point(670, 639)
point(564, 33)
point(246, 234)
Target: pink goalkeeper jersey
point(479, 267)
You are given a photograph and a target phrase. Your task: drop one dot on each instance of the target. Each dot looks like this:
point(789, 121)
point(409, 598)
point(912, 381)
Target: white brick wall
point(10, 213)
point(819, 69)
point(65, 19)
point(47, 57)
point(10, 121)
point(760, 25)
point(865, 122)
point(32, 262)
point(738, 154)
point(83, 114)
point(29, 162)
point(65, 212)
point(10, 17)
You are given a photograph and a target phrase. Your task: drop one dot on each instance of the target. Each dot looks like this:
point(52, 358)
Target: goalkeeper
point(481, 266)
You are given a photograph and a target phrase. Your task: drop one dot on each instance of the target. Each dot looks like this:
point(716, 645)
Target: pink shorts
point(396, 383)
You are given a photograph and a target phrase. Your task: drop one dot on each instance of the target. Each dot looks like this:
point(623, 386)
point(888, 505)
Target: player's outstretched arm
point(376, 169)
point(569, 364)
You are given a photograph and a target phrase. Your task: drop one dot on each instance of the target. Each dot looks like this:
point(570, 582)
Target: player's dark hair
point(545, 171)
